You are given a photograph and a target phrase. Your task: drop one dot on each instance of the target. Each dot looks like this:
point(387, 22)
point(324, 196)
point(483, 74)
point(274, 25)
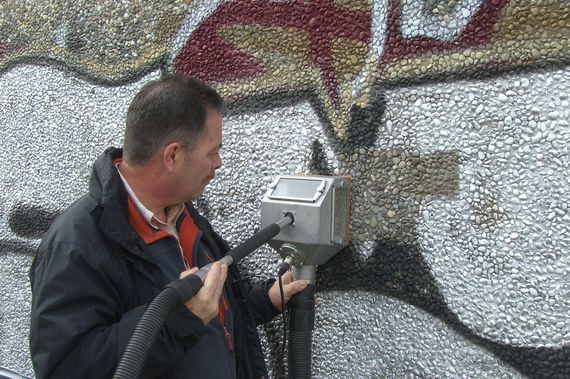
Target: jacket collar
point(106, 188)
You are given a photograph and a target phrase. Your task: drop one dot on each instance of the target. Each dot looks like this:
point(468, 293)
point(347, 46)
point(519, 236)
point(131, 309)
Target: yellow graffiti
point(109, 40)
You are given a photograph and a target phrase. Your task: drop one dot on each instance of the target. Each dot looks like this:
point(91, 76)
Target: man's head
point(172, 108)
point(173, 136)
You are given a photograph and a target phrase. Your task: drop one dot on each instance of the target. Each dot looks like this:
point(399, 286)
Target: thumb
point(188, 272)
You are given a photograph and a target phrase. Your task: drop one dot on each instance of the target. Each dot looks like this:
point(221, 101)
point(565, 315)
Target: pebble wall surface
point(452, 118)
point(459, 223)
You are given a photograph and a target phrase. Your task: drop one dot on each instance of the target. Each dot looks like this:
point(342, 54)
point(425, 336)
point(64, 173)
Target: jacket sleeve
point(255, 296)
point(81, 321)
point(260, 303)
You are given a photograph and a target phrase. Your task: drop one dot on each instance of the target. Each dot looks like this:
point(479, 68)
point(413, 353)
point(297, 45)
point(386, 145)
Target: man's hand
point(290, 288)
point(206, 302)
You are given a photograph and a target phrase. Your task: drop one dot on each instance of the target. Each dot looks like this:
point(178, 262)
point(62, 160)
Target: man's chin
point(198, 194)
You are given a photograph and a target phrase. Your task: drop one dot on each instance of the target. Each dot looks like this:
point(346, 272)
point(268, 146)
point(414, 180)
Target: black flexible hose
point(150, 324)
point(301, 324)
point(254, 242)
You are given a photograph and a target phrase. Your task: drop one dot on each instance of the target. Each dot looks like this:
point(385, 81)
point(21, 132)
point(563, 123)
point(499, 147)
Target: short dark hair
point(172, 108)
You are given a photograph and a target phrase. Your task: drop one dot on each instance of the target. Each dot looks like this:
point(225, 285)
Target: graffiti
point(341, 65)
point(437, 20)
point(489, 42)
point(113, 43)
point(401, 272)
point(27, 223)
point(335, 50)
point(319, 45)
point(30, 221)
point(459, 203)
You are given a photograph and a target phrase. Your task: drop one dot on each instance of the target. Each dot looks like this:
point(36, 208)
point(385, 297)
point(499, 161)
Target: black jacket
point(93, 277)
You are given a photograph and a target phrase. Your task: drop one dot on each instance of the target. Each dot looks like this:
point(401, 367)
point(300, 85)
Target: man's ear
point(171, 156)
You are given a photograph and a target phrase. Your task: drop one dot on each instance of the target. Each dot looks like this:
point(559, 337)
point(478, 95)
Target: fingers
point(290, 288)
point(293, 288)
point(206, 302)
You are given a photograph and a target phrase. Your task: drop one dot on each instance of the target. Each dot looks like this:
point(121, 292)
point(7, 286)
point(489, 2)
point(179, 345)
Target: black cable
point(281, 270)
point(284, 316)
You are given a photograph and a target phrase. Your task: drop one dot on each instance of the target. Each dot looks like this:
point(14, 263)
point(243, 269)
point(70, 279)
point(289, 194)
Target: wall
point(451, 117)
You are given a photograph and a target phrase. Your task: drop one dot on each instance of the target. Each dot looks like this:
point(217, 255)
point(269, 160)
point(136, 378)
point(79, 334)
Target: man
point(112, 251)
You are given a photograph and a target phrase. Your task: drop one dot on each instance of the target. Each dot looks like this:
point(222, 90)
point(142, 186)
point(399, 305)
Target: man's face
point(203, 159)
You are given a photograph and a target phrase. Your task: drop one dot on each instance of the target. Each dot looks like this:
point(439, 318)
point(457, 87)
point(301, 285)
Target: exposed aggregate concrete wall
point(451, 117)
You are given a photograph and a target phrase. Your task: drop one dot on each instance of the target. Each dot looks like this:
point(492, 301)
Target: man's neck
point(146, 184)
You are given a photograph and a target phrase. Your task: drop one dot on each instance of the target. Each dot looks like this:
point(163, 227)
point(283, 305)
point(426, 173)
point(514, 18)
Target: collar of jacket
point(106, 188)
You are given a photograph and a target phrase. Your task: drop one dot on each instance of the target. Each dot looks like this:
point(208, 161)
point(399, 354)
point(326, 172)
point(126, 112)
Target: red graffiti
point(208, 57)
